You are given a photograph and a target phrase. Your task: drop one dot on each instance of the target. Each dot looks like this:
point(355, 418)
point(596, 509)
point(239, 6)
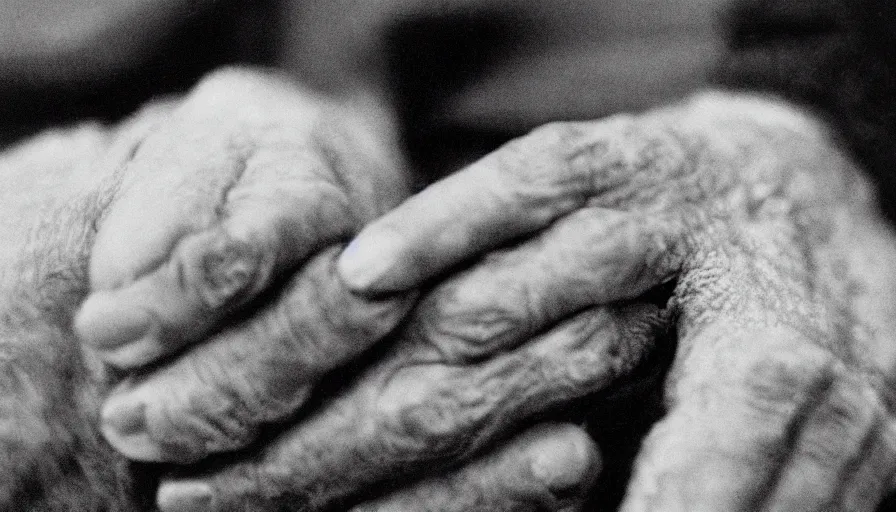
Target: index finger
point(520, 188)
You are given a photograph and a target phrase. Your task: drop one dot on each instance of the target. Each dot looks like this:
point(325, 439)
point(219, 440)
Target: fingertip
point(124, 424)
point(565, 459)
point(184, 496)
point(134, 353)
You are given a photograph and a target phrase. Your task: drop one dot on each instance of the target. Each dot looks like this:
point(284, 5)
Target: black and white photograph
point(447, 255)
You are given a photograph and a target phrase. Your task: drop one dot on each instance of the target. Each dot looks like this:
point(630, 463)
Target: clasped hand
point(223, 293)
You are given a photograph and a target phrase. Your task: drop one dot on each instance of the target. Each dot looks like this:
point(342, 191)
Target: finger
point(175, 180)
point(210, 274)
point(550, 467)
point(518, 189)
point(727, 430)
point(593, 256)
point(873, 477)
point(414, 415)
point(760, 420)
point(847, 445)
point(204, 221)
point(216, 396)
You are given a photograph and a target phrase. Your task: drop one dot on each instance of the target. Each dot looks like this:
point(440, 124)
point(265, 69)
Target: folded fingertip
point(124, 424)
point(105, 322)
point(566, 460)
point(125, 429)
point(136, 445)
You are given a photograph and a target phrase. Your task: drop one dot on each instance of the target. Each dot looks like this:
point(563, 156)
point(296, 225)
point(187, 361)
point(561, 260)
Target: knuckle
point(536, 164)
point(301, 324)
point(322, 324)
point(364, 320)
point(582, 372)
point(228, 82)
point(199, 424)
point(420, 421)
point(242, 394)
point(199, 406)
point(266, 394)
point(572, 144)
point(888, 439)
point(466, 321)
point(628, 160)
point(597, 346)
point(556, 134)
point(241, 92)
point(877, 390)
point(654, 148)
point(839, 427)
point(221, 270)
point(638, 327)
point(793, 374)
point(875, 402)
point(619, 159)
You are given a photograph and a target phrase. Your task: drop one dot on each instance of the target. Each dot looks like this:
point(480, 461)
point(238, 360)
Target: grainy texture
point(60, 463)
point(53, 458)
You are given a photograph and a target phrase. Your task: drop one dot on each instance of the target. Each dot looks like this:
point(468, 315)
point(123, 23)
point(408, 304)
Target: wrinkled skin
point(779, 397)
point(73, 190)
point(171, 280)
point(781, 392)
point(780, 305)
point(53, 457)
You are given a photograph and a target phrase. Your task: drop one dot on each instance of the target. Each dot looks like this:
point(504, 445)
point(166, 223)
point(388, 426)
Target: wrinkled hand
point(51, 456)
point(781, 393)
point(251, 185)
point(248, 180)
point(423, 408)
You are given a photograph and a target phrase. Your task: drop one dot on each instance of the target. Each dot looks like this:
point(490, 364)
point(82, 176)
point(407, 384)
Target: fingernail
point(124, 427)
point(184, 496)
point(367, 261)
point(105, 323)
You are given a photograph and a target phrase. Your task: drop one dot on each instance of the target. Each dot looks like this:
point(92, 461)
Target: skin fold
point(499, 294)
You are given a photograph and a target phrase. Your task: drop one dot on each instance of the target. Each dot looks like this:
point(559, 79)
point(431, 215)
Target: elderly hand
point(251, 184)
point(61, 187)
point(52, 457)
point(780, 396)
point(781, 392)
point(248, 180)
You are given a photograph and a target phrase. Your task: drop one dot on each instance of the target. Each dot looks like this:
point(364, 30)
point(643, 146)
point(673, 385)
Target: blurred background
point(463, 74)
